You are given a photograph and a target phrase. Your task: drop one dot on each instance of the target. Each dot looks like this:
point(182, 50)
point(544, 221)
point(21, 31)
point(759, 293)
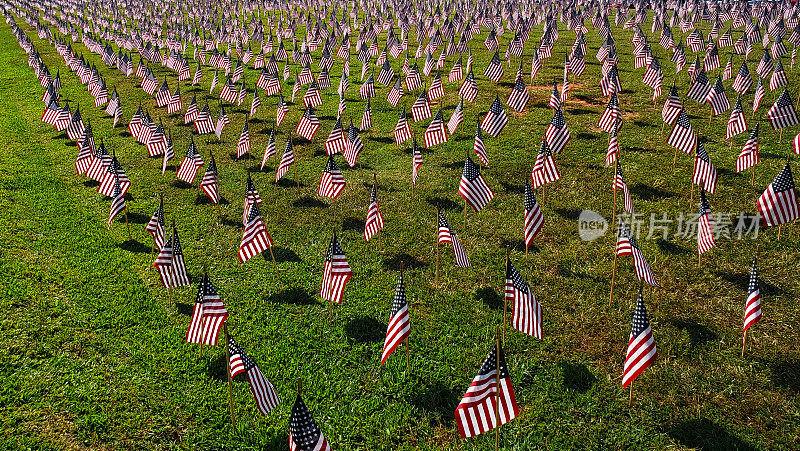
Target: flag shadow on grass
point(308, 201)
point(293, 295)
point(668, 247)
point(785, 373)
point(699, 334)
point(381, 139)
point(135, 246)
point(650, 193)
point(742, 282)
point(365, 329)
point(577, 377)
point(217, 367)
point(489, 297)
point(138, 218)
point(289, 183)
point(703, 433)
point(437, 400)
point(351, 223)
point(202, 199)
point(443, 204)
point(282, 255)
point(394, 262)
point(518, 245)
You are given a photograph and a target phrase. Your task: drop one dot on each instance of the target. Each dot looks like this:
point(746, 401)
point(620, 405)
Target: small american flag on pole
point(239, 362)
point(527, 310)
point(256, 238)
point(446, 235)
point(208, 316)
point(304, 434)
point(642, 350)
point(399, 325)
point(782, 114)
point(752, 308)
point(778, 204)
point(336, 273)
point(374, 221)
point(705, 227)
point(473, 187)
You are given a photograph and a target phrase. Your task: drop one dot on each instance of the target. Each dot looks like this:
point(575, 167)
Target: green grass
point(93, 352)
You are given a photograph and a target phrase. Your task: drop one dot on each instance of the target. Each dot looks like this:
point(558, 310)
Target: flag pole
point(497, 387)
point(630, 394)
point(505, 298)
point(437, 247)
point(230, 379)
point(408, 339)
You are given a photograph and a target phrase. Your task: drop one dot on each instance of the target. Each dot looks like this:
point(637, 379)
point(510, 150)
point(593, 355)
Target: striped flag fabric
point(280, 111)
point(286, 160)
point(446, 235)
point(336, 273)
point(717, 98)
point(612, 153)
point(705, 226)
point(737, 123)
point(752, 306)
point(255, 238)
point(682, 136)
point(208, 315)
point(494, 71)
point(416, 162)
point(469, 89)
point(518, 97)
point(611, 117)
point(642, 350)
point(117, 202)
point(308, 125)
point(749, 156)
point(782, 114)
point(533, 216)
point(457, 118)
point(759, 94)
point(353, 146)
point(270, 150)
point(399, 324)
point(396, 93)
point(557, 132)
point(421, 109)
point(402, 131)
point(210, 182)
point(778, 203)
point(374, 221)
point(304, 434)
point(190, 164)
point(243, 146)
point(705, 174)
point(157, 226)
point(544, 169)
point(627, 245)
point(332, 182)
point(263, 391)
point(743, 80)
point(619, 183)
point(191, 111)
point(337, 140)
point(555, 98)
point(778, 78)
point(478, 147)
point(672, 106)
point(527, 317)
point(473, 187)
point(495, 119)
point(487, 404)
point(170, 263)
point(436, 132)
point(700, 87)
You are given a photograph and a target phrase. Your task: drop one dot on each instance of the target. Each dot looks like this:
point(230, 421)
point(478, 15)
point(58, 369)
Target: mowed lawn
point(92, 347)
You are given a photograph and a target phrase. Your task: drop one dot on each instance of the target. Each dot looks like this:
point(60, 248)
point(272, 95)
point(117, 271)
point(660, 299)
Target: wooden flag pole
point(630, 394)
point(497, 387)
point(437, 247)
point(744, 342)
point(408, 339)
point(505, 299)
point(128, 224)
point(230, 379)
point(779, 231)
point(753, 176)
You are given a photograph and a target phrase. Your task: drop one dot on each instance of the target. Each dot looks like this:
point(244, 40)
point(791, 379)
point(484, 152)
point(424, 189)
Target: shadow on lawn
point(365, 329)
point(742, 282)
point(135, 247)
point(786, 373)
point(409, 262)
point(442, 203)
point(698, 333)
point(437, 400)
point(217, 367)
point(705, 434)
point(650, 193)
point(577, 377)
point(490, 297)
point(283, 255)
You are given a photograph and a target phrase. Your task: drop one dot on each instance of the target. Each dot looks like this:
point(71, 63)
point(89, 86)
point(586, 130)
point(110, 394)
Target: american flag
point(486, 405)
point(269, 151)
point(399, 325)
point(612, 153)
point(752, 307)
point(174, 104)
point(446, 235)
point(705, 174)
point(557, 132)
point(619, 183)
point(416, 162)
point(113, 173)
point(611, 83)
point(243, 145)
point(366, 118)
point(765, 65)
point(682, 135)
point(627, 245)
point(641, 347)
point(672, 106)
point(457, 118)
point(263, 391)
point(396, 93)
point(577, 63)
point(555, 98)
point(705, 226)
point(700, 87)
point(336, 273)
point(749, 156)
point(312, 98)
point(191, 111)
point(157, 226)
point(304, 434)
point(353, 146)
point(436, 133)
point(743, 80)
point(469, 89)
point(495, 119)
point(473, 187)
point(203, 123)
point(117, 202)
point(210, 182)
point(367, 90)
point(479, 148)
point(519, 96)
point(536, 64)
point(778, 204)
point(494, 71)
point(332, 182)
point(222, 121)
point(281, 111)
point(256, 238)
point(436, 90)
point(782, 114)
point(421, 109)
point(190, 164)
point(76, 127)
point(308, 125)
point(170, 264)
point(611, 117)
point(717, 98)
point(402, 131)
point(457, 71)
point(527, 316)
point(778, 78)
point(286, 160)
point(759, 94)
point(337, 140)
point(737, 123)
point(544, 169)
point(533, 216)
point(374, 222)
point(208, 316)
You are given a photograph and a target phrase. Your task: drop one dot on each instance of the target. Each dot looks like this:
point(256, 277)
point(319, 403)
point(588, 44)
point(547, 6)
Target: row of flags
point(489, 401)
